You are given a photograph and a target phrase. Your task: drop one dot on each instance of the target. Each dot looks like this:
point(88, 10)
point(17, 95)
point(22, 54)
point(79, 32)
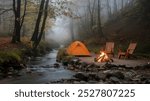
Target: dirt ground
point(5, 43)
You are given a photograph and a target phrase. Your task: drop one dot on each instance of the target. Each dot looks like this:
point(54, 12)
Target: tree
point(122, 4)
point(99, 19)
point(18, 19)
point(115, 6)
point(37, 35)
point(108, 9)
point(91, 9)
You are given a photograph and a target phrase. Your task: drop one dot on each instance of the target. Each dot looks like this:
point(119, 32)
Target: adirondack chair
point(109, 49)
point(129, 51)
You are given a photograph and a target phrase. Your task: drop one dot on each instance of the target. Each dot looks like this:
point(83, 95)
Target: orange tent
point(77, 48)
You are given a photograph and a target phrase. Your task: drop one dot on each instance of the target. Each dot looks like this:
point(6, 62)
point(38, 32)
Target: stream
point(40, 71)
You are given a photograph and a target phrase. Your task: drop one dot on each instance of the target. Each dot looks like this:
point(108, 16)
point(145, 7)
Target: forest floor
point(4, 41)
point(5, 44)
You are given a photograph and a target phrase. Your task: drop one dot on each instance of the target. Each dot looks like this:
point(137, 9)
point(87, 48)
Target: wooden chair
point(129, 51)
point(109, 49)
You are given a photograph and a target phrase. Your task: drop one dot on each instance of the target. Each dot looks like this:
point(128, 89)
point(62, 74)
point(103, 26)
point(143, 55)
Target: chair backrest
point(131, 48)
point(109, 47)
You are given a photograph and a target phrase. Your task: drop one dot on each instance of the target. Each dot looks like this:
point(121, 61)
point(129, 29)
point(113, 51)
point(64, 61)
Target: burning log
point(103, 57)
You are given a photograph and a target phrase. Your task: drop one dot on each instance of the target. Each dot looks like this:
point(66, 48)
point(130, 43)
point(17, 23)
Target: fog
point(64, 27)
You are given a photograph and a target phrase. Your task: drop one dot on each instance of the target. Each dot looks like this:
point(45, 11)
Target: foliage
point(144, 6)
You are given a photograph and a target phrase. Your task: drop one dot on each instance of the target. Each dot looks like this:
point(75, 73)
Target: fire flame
point(102, 57)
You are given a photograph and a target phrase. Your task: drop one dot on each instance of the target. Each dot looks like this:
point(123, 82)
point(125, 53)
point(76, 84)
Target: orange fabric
point(77, 48)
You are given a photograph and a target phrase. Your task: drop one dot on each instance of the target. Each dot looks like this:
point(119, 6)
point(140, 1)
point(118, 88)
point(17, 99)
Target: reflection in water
point(41, 70)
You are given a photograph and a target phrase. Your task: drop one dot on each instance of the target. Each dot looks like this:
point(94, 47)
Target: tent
point(77, 48)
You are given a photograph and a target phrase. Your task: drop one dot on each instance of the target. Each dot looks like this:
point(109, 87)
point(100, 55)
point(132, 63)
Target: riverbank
point(40, 70)
point(14, 57)
point(120, 71)
point(107, 73)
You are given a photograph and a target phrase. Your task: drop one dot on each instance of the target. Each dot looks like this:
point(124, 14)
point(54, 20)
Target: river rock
point(129, 74)
point(109, 65)
point(71, 68)
point(75, 61)
point(102, 76)
point(146, 66)
point(76, 82)
point(91, 66)
point(92, 82)
point(81, 76)
point(117, 74)
point(93, 76)
point(10, 73)
point(83, 82)
point(11, 69)
point(56, 65)
point(115, 79)
point(147, 81)
point(65, 63)
point(83, 64)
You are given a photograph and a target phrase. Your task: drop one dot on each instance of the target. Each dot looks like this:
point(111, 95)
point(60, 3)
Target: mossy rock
point(62, 55)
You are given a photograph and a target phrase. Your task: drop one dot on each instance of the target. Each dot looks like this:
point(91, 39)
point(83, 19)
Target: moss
point(12, 55)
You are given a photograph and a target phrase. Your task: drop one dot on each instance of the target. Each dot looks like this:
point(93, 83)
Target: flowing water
point(40, 70)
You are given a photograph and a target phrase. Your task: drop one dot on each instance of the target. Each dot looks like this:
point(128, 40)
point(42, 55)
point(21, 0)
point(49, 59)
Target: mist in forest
point(67, 27)
point(60, 31)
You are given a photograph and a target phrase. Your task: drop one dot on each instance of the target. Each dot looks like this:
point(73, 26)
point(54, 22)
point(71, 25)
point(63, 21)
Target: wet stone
point(56, 65)
point(93, 76)
point(83, 82)
point(83, 65)
point(129, 74)
point(81, 76)
point(76, 82)
point(92, 82)
point(102, 76)
point(10, 73)
point(147, 81)
point(114, 79)
point(117, 74)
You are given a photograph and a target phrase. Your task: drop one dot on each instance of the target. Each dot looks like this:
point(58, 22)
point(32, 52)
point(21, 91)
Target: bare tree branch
point(5, 10)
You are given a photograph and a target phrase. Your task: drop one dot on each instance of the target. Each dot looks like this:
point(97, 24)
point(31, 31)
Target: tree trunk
point(71, 30)
point(18, 20)
point(37, 26)
point(99, 19)
point(91, 12)
point(115, 6)
point(108, 9)
point(122, 4)
point(43, 25)
point(18, 26)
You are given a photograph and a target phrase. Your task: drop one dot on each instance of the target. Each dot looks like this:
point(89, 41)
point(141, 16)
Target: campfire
point(103, 57)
